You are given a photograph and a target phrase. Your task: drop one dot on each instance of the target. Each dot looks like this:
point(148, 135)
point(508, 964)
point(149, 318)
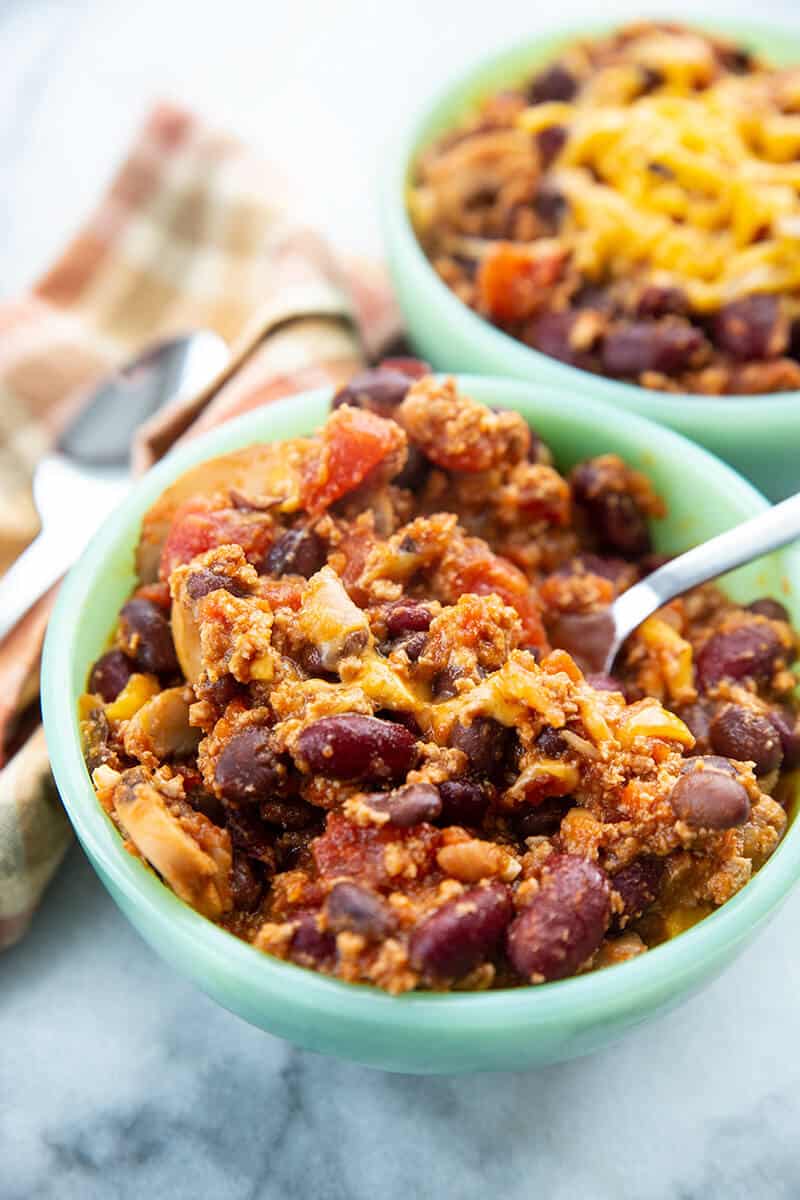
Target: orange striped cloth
point(194, 231)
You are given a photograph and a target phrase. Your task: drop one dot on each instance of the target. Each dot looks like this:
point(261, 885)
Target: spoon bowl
point(87, 473)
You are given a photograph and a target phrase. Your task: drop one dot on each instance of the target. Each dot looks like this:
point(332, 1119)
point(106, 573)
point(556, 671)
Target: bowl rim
point(461, 90)
point(587, 999)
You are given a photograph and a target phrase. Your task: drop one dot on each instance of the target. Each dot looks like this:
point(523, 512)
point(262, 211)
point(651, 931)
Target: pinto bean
point(415, 471)
point(554, 83)
point(296, 552)
point(767, 607)
point(745, 735)
point(464, 802)
point(247, 883)
point(786, 723)
point(462, 933)
point(637, 885)
point(110, 674)
point(353, 746)
point(205, 581)
point(310, 946)
point(359, 910)
point(706, 797)
point(565, 921)
point(551, 141)
point(542, 819)
point(379, 389)
point(147, 637)
point(248, 768)
point(485, 742)
point(407, 805)
point(746, 651)
point(614, 516)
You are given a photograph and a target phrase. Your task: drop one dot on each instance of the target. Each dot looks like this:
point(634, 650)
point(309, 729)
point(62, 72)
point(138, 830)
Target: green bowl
point(759, 435)
point(421, 1033)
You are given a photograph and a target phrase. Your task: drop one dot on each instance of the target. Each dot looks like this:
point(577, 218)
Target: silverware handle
point(768, 531)
point(29, 577)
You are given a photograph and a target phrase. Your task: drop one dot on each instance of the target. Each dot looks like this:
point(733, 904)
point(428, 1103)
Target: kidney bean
point(767, 607)
point(352, 746)
point(706, 797)
point(752, 327)
point(550, 205)
point(542, 819)
point(564, 922)
point(743, 734)
point(485, 742)
point(464, 802)
point(147, 637)
point(462, 933)
point(659, 301)
point(379, 389)
point(747, 651)
point(651, 78)
point(785, 721)
point(287, 814)
point(551, 141)
point(698, 718)
point(208, 804)
point(310, 947)
point(247, 883)
point(669, 345)
point(614, 516)
point(295, 552)
point(554, 83)
point(407, 616)
point(415, 470)
point(353, 908)
point(248, 768)
point(638, 885)
point(414, 645)
point(550, 743)
point(550, 334)
point(110, 674)
point(738, 59)
point(204, 581)
point(409, 805)
point(443, 684)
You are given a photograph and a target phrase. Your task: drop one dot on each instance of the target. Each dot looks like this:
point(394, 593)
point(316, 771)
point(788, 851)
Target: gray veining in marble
point(117, 1078)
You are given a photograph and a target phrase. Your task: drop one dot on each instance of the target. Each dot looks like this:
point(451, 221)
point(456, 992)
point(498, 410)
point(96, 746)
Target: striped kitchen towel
point(194, 231)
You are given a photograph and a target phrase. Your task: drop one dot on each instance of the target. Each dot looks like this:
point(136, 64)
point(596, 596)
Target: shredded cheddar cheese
point(699, 188)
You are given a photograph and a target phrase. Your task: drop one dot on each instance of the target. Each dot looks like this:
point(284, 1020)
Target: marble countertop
point(117, 1078)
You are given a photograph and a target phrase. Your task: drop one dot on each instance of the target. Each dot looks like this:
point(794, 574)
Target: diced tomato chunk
point(354, 442)
point(483, 572)
point(196, 528)
point(512, 280)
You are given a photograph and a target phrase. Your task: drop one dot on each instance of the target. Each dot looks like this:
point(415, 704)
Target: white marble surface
point(117, 1079)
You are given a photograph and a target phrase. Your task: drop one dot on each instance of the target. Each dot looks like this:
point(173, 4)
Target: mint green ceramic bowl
point(418, 1033)
point(758, 435)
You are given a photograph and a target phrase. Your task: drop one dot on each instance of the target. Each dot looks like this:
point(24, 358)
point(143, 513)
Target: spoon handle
point(30, 576)
point(768, 531)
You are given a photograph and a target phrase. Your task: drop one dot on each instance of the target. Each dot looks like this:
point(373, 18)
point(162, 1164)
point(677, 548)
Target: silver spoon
point(87, 472)
point(596, 639)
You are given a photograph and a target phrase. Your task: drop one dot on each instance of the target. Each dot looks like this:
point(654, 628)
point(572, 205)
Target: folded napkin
point(193, 232)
